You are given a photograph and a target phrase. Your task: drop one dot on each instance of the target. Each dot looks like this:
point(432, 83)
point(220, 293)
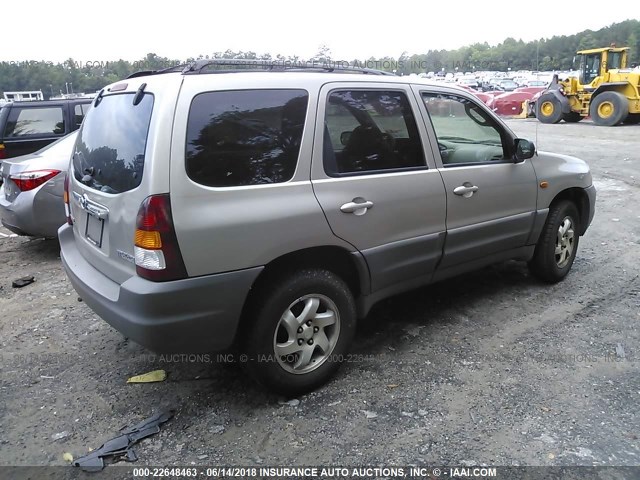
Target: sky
point(104, 31)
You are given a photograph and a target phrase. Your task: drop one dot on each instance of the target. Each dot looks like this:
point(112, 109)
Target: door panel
point(399, 235)
point(394, 263)
point(497, 217)
point(491, 200)
point(381, 197)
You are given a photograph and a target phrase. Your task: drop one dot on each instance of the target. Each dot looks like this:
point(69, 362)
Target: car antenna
point(537, 123)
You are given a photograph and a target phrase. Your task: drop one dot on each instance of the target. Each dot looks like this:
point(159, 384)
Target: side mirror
point(344, 137)
point(524, 149)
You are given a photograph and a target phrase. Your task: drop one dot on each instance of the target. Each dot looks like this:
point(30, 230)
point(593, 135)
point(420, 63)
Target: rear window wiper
point(137, 98)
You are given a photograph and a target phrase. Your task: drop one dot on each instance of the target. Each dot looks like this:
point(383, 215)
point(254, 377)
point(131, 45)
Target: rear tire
point(548, 108)
point(299, 331)
point(609, 109)
point(572, 117)
point(558, 243)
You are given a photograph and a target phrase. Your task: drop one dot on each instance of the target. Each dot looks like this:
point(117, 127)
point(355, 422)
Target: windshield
point(109, 153)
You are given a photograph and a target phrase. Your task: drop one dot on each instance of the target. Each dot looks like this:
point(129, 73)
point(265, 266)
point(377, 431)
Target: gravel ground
point(490, 368)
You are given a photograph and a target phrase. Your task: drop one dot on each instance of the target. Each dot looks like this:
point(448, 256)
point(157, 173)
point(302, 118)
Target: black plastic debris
point(121, 447)
point(23, 282)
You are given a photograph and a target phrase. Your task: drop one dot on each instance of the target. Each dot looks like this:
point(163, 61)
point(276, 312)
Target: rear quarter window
point(25, 121)
point(245, 137)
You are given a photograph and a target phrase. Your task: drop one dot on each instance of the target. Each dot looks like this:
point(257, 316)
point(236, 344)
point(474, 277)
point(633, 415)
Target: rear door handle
point(358, 206)
point(465, 190)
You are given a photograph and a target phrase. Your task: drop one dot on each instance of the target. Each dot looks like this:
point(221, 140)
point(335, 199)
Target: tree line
point(556, 53)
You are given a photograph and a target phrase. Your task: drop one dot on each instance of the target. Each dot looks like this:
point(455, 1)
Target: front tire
point(548, 108)
point(609, 109)
point(299, 331)
point(558, 243)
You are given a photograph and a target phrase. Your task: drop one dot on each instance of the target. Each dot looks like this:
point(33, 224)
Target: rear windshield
point(109, 153)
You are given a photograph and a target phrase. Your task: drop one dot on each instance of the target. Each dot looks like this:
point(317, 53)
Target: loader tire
point(548, 108)
point(609, 109)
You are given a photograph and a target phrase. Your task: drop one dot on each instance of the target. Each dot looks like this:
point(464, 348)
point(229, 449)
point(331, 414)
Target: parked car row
point(492, 81)
point(509, 103)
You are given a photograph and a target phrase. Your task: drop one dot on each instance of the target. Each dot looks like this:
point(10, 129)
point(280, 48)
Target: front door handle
point(465, 190)
point(358, 206)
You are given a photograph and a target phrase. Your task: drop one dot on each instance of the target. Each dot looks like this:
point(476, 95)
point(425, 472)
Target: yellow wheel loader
point(606, 90)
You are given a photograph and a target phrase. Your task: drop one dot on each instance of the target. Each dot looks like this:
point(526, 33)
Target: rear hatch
point(121, 157)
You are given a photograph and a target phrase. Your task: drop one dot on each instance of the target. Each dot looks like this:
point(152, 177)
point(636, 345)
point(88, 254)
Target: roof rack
point(222, 65)
point(145, 73)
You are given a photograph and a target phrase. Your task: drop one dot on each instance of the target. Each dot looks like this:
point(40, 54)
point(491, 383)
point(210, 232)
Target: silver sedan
point(31, 200)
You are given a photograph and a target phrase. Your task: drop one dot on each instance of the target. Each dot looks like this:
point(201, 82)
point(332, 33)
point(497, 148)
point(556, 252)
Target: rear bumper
point(37, 213)
point(195, 315)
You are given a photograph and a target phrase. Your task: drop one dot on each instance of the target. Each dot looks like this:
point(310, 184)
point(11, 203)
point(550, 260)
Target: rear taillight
point(65, 196)
point(26, 181)
point(157, 254)
point(3, 152)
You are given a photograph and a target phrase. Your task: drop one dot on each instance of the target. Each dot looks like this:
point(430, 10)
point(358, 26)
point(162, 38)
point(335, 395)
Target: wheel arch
point(348, 265)
point(624, 88)
point(580, 199)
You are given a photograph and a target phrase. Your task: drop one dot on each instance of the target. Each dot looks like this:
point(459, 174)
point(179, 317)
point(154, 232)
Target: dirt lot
point(490, 368)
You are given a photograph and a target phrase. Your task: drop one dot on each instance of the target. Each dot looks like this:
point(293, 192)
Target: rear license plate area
point(94, 229)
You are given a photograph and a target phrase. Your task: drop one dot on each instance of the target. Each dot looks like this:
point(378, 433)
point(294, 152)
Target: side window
point(245, 137)
point(466, 133)
point(593, 67)
point(615, 60)
point(368, 131)
point(79, 112)
point(34, 121)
